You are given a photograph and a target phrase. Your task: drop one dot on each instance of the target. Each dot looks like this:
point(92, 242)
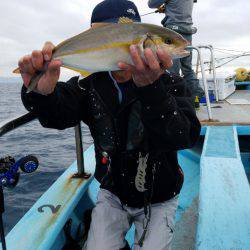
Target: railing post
point(210, 47)
point(79, 154)
point(197, 66)
point(212, 67)
point(79, 150)
point(204, 78)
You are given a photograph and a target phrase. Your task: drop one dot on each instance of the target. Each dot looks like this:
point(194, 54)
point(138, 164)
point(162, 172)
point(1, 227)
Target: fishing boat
point(214, 204)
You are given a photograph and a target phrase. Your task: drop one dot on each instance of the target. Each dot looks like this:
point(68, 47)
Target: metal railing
point(10, 125)
point(211, 69)
point(204, 78)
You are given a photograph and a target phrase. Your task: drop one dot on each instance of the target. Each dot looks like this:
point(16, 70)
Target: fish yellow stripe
point(82, 72)
point(105, 46)
point(125, 45)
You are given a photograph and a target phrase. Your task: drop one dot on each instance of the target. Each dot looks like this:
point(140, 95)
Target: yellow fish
point(101, 48)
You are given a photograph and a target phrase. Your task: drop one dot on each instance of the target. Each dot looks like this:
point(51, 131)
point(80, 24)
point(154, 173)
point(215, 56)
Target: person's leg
point(189, 74)
point(109, 225)
point(160, 228)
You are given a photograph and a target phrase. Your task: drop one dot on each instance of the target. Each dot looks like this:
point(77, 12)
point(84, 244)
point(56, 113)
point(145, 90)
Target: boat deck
point(185, 229)
point(233, 110)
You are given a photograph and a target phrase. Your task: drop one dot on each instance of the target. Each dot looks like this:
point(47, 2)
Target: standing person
point(139, 117)
point(178, 17)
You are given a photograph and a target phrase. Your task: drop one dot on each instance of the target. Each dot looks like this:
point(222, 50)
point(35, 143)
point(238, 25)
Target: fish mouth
point(180, 53)
point(184, 53)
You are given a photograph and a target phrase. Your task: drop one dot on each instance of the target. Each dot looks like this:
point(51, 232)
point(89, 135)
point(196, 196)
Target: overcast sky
point(25, 25)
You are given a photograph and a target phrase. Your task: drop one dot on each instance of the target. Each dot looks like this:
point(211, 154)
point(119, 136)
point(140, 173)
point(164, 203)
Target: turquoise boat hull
point(213, 210)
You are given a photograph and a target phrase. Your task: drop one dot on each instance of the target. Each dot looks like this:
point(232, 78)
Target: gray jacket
point(178, 14)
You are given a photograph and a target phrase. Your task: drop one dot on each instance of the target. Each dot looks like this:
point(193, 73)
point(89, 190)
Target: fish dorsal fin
point(125, 20)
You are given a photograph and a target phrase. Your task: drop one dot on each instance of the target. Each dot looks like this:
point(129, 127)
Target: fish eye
point(168, 41)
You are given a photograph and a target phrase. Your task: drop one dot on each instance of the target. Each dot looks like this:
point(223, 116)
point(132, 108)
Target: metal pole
point(212, 66)
point(210, 47)
point(1, 218)
point(197, 65)
point(79, 150)
point(204, 79)
point(205, 85)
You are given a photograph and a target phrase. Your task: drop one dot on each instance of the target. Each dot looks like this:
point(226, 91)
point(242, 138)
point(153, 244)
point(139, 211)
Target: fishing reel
point(9, 177)
point(9, 169)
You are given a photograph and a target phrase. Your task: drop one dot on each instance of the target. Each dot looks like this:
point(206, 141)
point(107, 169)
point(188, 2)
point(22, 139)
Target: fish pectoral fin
point(16, 71)
point(82, 72)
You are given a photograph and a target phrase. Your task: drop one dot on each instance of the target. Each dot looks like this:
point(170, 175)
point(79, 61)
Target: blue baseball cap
point(110, 11)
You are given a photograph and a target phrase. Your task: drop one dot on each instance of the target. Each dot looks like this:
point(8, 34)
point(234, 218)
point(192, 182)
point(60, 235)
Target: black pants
point(185, 65)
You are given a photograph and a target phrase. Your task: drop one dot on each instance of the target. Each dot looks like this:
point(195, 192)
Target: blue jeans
point(185, 65)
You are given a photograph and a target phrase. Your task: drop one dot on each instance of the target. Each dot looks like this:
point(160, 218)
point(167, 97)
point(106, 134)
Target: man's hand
point(162, 8)
point(146, 73)
point(35, 62)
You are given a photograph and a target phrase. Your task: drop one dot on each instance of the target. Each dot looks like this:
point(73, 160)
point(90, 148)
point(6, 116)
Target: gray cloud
point(27, 24)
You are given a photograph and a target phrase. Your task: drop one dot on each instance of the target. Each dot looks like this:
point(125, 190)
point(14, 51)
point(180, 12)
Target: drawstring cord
point(147, 208)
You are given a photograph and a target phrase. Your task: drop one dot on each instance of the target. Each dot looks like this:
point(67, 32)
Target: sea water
point(54, 149)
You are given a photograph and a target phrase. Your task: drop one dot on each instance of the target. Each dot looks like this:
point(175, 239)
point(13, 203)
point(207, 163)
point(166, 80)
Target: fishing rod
point(227, 57)
point(161, 9)
point(232, 59)
point(9, 177)
point(156, 11)
point(232, 50)
point(153, 12)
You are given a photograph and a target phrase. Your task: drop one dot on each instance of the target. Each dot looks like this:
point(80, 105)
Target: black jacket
point(158, 119)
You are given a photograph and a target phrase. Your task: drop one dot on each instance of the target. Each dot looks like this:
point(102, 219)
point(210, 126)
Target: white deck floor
point(225, 113)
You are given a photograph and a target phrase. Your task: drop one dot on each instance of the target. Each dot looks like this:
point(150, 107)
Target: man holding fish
point(138, 114)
